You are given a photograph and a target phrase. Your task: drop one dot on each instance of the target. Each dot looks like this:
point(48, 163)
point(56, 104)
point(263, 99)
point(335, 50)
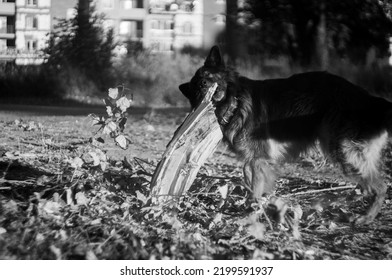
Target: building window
point(31, 45)
point(132, 4)
point(131, 28)
point(3, 24)
point(31, 2)
point(187, 28)
point(107, 4)
point(220, 19)
point(162, 24)
point(154, 24)
point(168, 24)
point(160, 46)
point(127, 4)
point(3, 44)
point(31, 22)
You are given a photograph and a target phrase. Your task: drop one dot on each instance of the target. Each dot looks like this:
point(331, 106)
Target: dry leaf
point(96, 221)
point(262, 255)
point(76, 162)
point(95, 158)
point(81, 199)
point(51, 207)
point(103, 165)
point(10, 207)
point(123, 104)
point(109, 111)
point(2, 230)
point(257, 230)
point(113, 93)
point(121, 141)
point(223, 190)
point(109, 127)
point(56, 251)
point(43, 180)
point(90, 255)
point(141, 197)
point(39, 237)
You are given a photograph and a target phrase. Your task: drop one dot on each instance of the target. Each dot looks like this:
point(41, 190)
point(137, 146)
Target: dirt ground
point(53, 208)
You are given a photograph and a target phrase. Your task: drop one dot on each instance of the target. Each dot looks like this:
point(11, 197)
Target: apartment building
point(173, 25)
point(24, 29)
point(161, 25)
point(7, 28)
point(32, 29)
point(126, 17)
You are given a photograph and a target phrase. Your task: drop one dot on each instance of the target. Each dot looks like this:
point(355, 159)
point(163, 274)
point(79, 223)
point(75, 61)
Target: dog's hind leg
point(259, 177)
point(365, 157)
point(376, 188)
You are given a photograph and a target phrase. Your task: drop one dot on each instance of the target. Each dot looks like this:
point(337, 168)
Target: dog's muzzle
point(228, 112)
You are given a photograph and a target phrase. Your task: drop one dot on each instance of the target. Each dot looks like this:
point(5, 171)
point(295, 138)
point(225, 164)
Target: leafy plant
point(113, 124)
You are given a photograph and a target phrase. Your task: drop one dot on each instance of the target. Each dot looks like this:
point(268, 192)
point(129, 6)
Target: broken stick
point(193, 142)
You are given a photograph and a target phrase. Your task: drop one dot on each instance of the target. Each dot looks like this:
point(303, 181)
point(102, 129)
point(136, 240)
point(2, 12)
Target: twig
point(145, 161)
point(7, 168)
point(15, 182)
point(140, 165)
point(268, 219)
point(216, 177)
point(319, 191)
point(143, 172)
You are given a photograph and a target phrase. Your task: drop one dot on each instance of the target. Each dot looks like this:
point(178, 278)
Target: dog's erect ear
point(185, 89)
point(214, 59)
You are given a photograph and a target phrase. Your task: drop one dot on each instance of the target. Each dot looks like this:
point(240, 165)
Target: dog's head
point(213, 71)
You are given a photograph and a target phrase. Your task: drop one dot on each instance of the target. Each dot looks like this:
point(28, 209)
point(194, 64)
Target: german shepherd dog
point(265, 121)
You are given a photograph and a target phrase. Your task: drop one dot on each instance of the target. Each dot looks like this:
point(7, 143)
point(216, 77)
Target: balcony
point(7, 9)
point(172, 8)
point(22, 57)
point(162, 33)
point(7, 32)
point(135, 35)
point(8, 54)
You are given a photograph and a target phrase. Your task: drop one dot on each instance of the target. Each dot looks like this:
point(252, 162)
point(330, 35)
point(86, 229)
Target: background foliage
point(305, 29)
point(81, 43)
point(264, 39)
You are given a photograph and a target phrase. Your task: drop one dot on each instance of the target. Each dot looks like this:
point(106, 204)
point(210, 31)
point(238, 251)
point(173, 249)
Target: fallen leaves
point(102, 211)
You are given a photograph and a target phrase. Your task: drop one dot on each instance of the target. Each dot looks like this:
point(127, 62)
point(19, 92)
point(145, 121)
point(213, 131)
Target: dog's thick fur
point(267, 120)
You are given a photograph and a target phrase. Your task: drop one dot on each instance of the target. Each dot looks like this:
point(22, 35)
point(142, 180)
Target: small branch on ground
point(322, 190)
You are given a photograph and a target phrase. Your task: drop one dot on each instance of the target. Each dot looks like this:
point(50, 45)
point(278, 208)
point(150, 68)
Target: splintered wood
point(193, 142)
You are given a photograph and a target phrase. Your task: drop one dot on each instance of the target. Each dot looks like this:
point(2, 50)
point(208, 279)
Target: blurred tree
point(309, 31)
point(82, 43)
point(231, 32)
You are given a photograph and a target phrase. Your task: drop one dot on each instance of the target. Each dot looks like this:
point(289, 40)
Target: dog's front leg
point(259, 177)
